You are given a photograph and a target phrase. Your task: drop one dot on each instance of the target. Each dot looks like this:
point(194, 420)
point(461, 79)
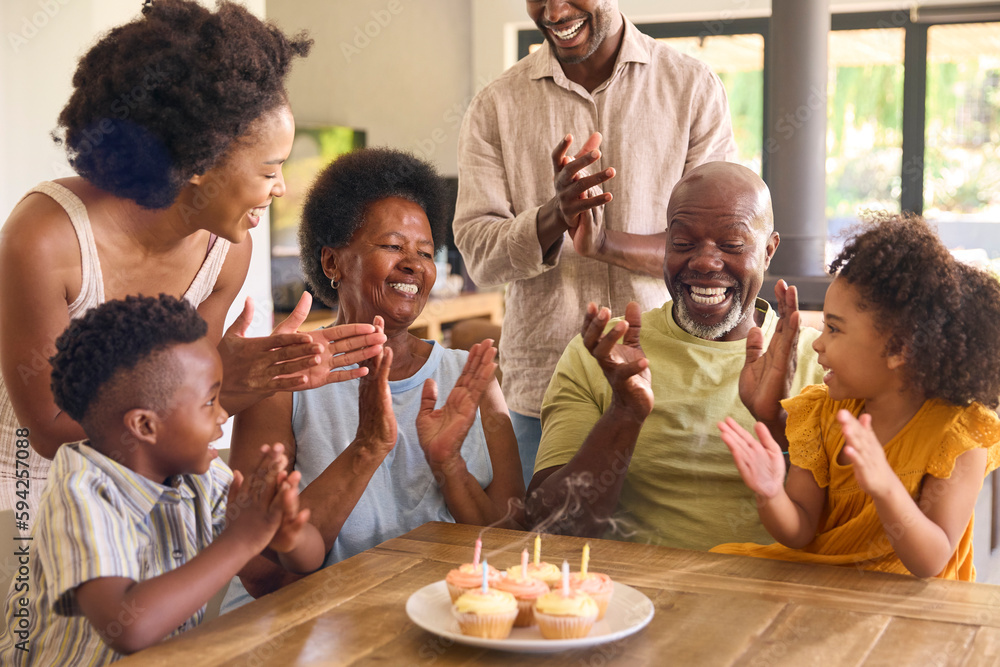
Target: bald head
point(726, 188)
point(720, 240)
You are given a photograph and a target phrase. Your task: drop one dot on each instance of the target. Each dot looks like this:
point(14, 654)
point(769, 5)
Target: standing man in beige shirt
point(648, 115)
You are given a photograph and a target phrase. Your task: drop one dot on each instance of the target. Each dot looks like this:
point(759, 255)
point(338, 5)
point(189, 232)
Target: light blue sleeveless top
point(402, 493)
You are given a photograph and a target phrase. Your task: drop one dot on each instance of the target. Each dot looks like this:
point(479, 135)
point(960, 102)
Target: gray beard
point(733, 319)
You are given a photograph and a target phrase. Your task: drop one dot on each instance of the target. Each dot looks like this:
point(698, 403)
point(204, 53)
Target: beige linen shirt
point(661, 113)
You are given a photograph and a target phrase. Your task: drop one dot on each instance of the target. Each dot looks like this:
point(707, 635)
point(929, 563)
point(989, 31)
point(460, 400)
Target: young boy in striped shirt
point(141, 524)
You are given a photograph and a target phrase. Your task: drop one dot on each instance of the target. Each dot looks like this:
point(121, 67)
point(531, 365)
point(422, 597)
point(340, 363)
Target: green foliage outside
point(864, 139)
point(746, 105)
point(962, 150)
point(962, 154)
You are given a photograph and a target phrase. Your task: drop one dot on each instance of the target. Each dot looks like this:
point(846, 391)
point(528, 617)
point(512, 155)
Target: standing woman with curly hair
point(177, 126)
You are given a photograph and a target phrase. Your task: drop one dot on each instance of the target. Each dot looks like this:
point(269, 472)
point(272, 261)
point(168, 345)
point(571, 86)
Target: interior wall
point(42, 41)
point(398, 69)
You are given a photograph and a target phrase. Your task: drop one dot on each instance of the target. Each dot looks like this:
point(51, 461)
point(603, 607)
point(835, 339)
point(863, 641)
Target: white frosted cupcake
point(547, 573)
point(490, 615)
point(539, 569)
point(565, 616)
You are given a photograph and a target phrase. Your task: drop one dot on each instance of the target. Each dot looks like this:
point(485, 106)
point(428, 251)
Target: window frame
point(914, 71)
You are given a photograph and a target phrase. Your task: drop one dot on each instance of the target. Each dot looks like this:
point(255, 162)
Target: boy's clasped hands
point(263, 513)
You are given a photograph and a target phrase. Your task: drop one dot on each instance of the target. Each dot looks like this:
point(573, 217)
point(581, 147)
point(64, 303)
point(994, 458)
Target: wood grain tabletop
point(710, 609)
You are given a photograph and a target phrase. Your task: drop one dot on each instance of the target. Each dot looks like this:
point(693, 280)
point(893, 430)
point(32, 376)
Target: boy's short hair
point(110, 360)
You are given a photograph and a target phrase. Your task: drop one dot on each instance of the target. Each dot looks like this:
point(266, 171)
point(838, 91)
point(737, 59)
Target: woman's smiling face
point(388, 267)
point(230, 198)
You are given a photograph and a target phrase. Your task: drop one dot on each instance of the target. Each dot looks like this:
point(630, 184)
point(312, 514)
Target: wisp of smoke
point(577, 487)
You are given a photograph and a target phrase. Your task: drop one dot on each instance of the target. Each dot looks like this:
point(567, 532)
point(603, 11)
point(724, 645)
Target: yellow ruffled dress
point(850, 532)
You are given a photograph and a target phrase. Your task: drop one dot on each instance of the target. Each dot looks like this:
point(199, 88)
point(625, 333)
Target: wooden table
point(437, 312)
point(711, 609)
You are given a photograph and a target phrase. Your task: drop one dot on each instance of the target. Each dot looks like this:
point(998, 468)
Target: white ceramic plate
point(629, 611)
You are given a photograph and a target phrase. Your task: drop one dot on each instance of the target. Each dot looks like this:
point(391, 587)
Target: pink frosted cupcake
point(598, 586)
point(565, 616)
point(470, 576)
point(525, 589)
point(490, 615)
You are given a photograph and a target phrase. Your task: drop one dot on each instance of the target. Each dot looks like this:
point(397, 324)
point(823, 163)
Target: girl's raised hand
point(761, 464)
point(864, 452)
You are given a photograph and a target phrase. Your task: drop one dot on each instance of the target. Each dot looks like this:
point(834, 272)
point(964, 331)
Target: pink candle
point(565, 579)
point(524, 564)
point(477, 552)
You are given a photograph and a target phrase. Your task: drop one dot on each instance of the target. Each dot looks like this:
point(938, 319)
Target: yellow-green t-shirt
point(682, 488)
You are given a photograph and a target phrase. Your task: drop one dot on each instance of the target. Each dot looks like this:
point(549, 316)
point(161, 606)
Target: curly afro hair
point(336, 205)
point(981, 314)
point(941, 316)
point(113, 344)
point(161, 99)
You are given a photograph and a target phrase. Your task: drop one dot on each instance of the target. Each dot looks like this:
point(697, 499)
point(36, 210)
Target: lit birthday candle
point(486, 586)
point(565, 579)
point(584, 561)
point(538, 549)
point(477, 552)
point(524, 564)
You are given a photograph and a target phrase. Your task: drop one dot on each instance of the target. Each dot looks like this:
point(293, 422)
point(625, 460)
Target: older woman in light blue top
point(425, 435)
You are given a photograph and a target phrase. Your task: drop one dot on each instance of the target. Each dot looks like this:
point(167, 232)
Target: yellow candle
point(585, 560)
point(538, 549)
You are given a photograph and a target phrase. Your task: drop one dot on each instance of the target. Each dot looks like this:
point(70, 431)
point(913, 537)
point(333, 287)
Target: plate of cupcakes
point(533, 607)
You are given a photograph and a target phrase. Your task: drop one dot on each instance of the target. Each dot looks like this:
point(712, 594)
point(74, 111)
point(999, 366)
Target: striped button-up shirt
point(98, 518)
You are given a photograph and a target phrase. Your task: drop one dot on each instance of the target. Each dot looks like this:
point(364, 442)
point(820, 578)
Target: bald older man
point(565, 166)
point(630, 447)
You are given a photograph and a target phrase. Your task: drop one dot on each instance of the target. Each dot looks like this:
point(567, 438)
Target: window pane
point(864, 123)
point(739, 62)
point(962, 139)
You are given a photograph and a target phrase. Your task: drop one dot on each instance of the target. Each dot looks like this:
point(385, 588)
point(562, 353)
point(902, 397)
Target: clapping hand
point(292, 518)
point(624, 364)
point(442, 431)
point(376, 420)
point(342, 345)
point(761, 464)
point(865, 454)
point(767, 377)
point(289, 360)
point(579, 195)
point(257, 505)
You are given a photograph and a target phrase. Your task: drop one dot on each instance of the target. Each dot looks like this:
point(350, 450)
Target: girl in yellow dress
point(888, 455)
